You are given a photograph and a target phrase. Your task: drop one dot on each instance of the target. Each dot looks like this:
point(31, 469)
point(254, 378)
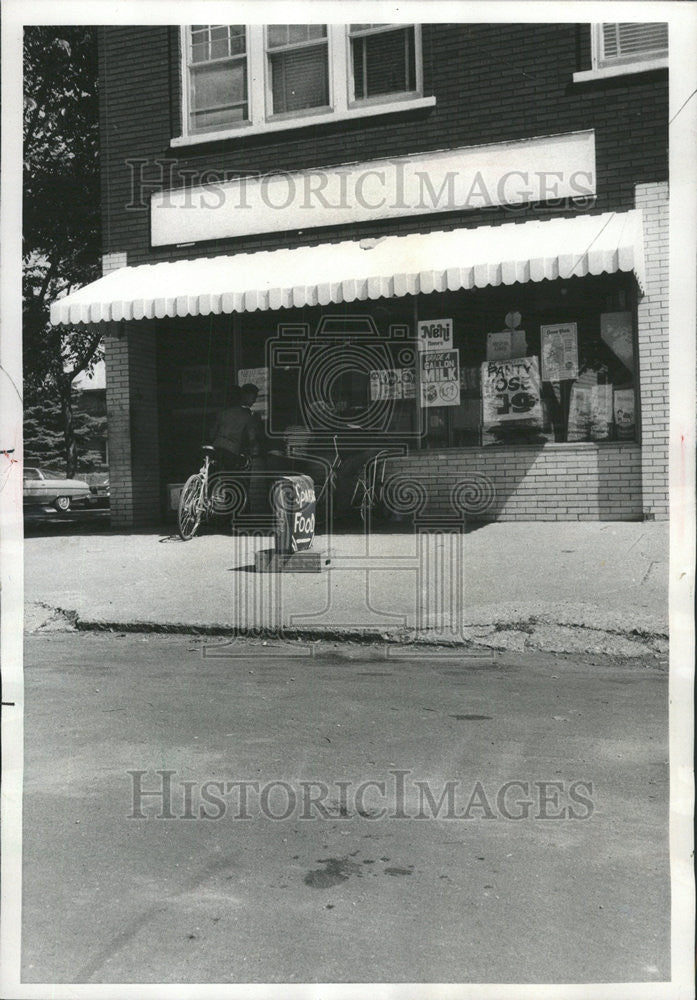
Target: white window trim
point(272, 116)
point(184, 52)
point(623, 67)
point(342, 105)
point(418, 63)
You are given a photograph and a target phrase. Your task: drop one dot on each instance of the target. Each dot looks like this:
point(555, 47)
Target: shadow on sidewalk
point(48, 524)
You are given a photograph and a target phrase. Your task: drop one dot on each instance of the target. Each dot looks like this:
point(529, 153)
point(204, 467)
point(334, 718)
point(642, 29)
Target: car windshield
point(32, 474)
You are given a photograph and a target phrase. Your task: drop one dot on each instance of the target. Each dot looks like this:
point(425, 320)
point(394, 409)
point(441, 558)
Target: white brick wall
point(113, 261)
point(568, 482)
point(653, 337)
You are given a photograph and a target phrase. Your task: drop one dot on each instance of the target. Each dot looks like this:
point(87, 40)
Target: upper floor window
point(298, 63)
point(383, 60)
point(629, 42)
point(627, 47)
point(263, 78)
point(217, 76)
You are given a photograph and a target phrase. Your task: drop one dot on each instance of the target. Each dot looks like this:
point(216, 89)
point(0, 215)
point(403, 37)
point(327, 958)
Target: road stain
point(335, 871)
point(399, 871)
point(471, 718)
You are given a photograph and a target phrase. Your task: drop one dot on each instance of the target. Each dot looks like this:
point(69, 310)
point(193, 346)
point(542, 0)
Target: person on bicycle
point(236, 432)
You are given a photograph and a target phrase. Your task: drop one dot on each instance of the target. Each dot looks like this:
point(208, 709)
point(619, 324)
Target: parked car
point(46, 489)
point(99, 493)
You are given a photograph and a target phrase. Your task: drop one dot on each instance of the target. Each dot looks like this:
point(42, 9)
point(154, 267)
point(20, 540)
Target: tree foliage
point(43, 434)
point(61, 234)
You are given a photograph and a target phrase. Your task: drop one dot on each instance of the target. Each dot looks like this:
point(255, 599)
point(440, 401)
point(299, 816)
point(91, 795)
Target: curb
point(519, 632)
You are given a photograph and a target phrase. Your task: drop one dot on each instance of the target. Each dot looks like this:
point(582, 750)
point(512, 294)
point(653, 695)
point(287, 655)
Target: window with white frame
point(260, 78)
point(298, 62)
point(383, 60)
point(629, 42)
point(216, 56)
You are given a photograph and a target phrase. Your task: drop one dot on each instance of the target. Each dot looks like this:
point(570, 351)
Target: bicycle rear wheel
point(190, 507)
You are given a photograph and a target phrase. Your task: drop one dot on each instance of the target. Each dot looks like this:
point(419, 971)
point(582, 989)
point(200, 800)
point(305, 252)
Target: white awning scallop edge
point(356, 271)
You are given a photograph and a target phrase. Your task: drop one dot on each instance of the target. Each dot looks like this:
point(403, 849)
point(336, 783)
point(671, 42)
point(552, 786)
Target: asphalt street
point(400, 851)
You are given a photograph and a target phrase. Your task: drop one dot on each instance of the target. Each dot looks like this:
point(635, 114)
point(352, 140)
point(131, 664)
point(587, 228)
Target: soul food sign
point(511, 391)
point(293, 499)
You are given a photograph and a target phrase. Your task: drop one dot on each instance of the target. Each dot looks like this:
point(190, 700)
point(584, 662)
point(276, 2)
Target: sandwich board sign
point(293, 501)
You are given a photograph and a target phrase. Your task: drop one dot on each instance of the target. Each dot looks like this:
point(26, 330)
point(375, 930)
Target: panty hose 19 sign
point(511, 391)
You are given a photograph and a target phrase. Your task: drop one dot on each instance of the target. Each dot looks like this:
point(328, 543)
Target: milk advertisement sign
point(440, 378)
point(434, 334)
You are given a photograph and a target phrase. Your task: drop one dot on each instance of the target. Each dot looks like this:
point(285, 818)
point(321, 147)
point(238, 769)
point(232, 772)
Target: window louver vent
point(633, 39)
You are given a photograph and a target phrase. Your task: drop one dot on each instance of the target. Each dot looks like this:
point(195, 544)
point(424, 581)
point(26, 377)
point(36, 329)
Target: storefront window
point(544, 362)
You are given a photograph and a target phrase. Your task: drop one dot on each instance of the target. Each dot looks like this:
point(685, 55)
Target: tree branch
point(89, 354)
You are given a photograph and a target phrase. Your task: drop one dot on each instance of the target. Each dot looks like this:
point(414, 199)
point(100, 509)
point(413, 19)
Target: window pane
point(277, 34)
point(199, 51)
point(384, 63)
point(238, 40)
point(217, 85)
point(219, 41)
point(298, 32)
point(199, 43)
point(210, 121)
point(290, 34)
point(299, 79)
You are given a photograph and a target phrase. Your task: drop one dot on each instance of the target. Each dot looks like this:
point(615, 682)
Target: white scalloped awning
point(367, 269)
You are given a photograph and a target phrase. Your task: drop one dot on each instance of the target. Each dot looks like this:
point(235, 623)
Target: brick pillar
point(131, 394)
point(652, 199)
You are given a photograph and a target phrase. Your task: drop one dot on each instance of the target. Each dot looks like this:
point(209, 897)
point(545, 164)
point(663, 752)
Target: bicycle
point(367, 493)
point(196, 501)
point(330, 479)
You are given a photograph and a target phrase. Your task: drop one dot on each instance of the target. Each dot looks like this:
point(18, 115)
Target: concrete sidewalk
point(570, 587)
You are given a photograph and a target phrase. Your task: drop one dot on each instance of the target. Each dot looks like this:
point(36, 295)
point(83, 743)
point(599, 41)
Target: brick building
point(461, 259)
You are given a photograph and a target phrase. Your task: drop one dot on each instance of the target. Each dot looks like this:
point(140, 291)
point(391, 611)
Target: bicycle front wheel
point(191, 507)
